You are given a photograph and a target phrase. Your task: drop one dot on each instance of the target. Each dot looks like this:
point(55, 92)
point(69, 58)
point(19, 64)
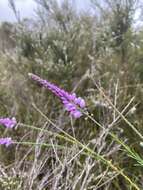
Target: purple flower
point(6, 141)
point(7, 122)
point(71, 103)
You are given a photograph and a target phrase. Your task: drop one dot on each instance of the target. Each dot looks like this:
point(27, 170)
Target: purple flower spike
point(6, 141)
point(7, 122)
point(71, 103)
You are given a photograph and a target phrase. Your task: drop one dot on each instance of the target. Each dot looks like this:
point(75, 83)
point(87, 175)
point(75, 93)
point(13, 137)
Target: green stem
point(119, 113)
point(90, 152)
point(40, 144)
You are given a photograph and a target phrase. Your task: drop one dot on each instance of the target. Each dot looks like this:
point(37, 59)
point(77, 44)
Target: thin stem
point(120, 114)
point(89, 151)
point(45, 130)
point(41, 144)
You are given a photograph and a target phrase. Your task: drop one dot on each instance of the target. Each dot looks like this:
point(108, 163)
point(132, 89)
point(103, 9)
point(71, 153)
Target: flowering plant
point(71, 102)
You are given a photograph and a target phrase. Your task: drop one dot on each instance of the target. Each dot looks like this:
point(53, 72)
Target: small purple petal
point(70, 107)
point(72, 97)
point(82, 103)
point(7, 122)
point(6, 141)
point(76, 114)
point(65, 101)
point(77, 100)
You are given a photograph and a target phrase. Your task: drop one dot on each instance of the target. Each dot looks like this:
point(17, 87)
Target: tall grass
point(83, 53)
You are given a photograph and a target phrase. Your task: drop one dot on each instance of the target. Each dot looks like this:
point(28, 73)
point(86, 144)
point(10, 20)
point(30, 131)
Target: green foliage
point(80, 52)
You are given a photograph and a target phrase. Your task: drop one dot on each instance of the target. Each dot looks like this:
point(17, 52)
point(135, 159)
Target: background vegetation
point(99, 55)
